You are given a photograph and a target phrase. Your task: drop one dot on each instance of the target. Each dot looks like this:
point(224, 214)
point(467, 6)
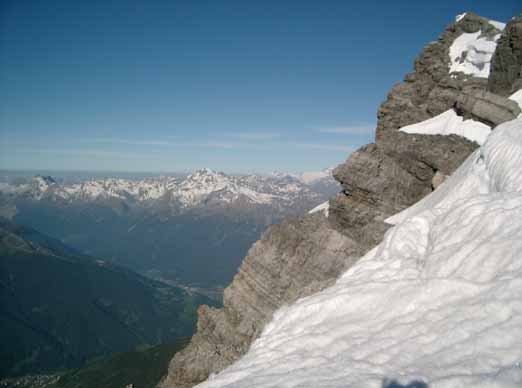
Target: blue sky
point(233, 85)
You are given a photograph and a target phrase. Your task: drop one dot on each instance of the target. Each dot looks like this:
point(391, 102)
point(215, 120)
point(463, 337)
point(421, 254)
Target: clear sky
point(232, 85)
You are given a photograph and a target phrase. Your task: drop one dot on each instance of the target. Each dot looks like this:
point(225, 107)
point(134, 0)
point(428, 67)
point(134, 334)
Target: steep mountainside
point(436, 304)
point(304, 255)
point(142, 368)
point(59, 308)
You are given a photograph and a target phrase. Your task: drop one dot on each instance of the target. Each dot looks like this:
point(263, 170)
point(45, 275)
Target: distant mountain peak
point(203, 187)
point(206, 171)
point(307, 177)
point(44, 179)
point(40, 184)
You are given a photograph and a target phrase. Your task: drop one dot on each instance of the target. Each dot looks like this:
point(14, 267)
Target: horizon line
point(165, 172)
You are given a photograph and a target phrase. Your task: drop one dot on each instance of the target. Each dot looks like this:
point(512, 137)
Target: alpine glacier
point(438, 301)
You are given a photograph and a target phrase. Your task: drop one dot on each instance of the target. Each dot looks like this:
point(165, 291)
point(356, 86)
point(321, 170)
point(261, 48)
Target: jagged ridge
point(201, 187)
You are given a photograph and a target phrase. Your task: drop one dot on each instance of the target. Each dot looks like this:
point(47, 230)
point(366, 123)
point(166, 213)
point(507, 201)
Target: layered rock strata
point(399, 169)
point(298, 257)
point(303, 255)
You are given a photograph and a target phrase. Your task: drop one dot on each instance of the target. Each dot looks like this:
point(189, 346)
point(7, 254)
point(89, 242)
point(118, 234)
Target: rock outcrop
point(295, 258)
point(506, 66)
point(384, 178)
point(487, 107)
point(432, 89)
point(399, 169)
point(304, 255)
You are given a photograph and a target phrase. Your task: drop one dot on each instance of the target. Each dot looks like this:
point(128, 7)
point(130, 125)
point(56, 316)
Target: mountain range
point(187, 230)
point(202, 188)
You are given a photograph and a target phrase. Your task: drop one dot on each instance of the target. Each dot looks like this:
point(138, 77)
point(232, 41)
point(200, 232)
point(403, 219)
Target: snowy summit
point(200, 187)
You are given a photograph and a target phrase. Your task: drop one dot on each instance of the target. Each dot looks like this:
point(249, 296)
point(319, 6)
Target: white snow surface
point(449, 123)
point(323, 207)
point(470, 53)
point(438, 301)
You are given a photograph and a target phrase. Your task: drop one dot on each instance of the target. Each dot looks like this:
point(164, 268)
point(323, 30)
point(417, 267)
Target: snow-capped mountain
point(306, 177)
point(188, 229)
point(202, 187)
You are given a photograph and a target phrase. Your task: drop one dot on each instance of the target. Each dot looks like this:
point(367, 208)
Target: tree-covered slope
point(59, 308)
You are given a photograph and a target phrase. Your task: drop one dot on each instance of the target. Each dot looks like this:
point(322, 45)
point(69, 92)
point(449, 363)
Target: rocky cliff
point(303, 255)
point(506, 73)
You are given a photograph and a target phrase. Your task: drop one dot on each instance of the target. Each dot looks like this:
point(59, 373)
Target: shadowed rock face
point(506, 66)
point(304, 255)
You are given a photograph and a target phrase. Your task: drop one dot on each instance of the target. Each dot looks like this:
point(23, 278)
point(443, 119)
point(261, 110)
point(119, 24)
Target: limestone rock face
point(298, 257)
point(304, 255)
point(506, 66)
point(431, 89)
point(383, 178)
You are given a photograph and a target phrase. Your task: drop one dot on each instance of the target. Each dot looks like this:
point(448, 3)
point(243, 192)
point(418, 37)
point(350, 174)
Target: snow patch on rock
point(498, 25)
point(471, 54)
point(459, 17)
point(449, 123)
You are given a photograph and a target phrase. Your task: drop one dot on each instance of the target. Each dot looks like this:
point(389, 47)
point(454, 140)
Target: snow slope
point(448, 123)
point(438, 301)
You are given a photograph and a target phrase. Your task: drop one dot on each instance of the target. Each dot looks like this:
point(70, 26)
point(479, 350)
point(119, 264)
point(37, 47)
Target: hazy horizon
point(72, 176)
